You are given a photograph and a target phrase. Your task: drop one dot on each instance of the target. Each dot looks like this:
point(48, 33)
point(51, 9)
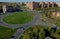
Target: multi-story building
point(32, 5)
point(58, 4)
point(47, 4)
point(52, 4)
point(42, 4)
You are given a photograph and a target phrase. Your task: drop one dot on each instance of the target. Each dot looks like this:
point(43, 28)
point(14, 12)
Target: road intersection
point(21, 27)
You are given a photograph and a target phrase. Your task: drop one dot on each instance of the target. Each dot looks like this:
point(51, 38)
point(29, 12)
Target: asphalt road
point(21, 27)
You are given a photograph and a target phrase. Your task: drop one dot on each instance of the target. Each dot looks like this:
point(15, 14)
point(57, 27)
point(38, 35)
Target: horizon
point(29, 0)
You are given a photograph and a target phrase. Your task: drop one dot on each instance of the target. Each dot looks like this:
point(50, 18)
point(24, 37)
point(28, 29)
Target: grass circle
point(18, 18)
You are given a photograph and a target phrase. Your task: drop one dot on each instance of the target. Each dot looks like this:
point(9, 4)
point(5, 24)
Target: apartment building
point(47, 4)
point(58, 4)
point(42, 4)
point(32, 5)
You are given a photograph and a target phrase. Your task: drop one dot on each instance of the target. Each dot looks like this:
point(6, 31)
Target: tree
point(26, 36)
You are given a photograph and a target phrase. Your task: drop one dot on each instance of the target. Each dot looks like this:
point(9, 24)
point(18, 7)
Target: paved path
point(17, 33)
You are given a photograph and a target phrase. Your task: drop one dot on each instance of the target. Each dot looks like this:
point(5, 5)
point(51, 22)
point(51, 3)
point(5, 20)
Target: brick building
point(41, 5)
point(32, 5)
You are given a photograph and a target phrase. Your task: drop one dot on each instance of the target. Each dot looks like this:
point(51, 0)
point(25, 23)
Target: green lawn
point(40, 32)
point(6, 33)
point(19, 18)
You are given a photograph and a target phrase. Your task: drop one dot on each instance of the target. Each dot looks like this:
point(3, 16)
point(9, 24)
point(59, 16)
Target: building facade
point(58, 4)
point(4, 8)
point(32, 5)
point(41, 5)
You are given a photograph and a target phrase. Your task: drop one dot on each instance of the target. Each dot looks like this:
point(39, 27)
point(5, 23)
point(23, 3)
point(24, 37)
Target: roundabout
point(18, 18)
point(7, 21)
point(21, 27)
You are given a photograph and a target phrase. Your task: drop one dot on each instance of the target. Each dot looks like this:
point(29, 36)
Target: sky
point(28, 0)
